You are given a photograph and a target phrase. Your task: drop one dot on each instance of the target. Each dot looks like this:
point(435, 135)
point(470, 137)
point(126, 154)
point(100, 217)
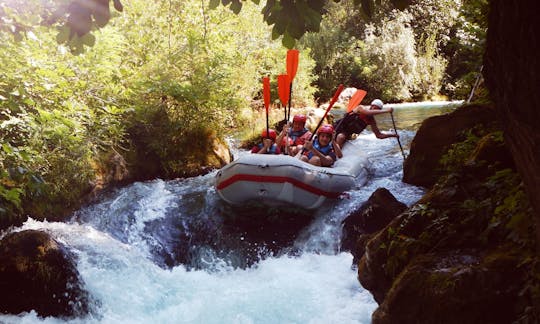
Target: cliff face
point(512, 76)
point(465, 252)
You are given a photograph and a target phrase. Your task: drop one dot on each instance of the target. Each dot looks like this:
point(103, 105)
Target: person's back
point(358, 119)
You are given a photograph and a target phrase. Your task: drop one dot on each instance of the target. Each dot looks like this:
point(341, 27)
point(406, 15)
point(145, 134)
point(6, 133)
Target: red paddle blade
point(356, 99)
point(283, 83)
point(266, 92)
point(292, 63)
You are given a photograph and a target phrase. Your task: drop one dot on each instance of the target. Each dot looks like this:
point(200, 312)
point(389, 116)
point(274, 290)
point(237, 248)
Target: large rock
point(462, 254)
point(435, 136)
point(371, 217)
point(37, 273)
point(454, 287)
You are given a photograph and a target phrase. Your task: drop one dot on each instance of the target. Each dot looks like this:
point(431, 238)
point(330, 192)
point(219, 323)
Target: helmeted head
point(299, 118)
point(326, 129)
point(271, 134)
point(377, 103)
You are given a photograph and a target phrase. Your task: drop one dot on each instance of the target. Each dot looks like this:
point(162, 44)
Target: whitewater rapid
point(123, 248)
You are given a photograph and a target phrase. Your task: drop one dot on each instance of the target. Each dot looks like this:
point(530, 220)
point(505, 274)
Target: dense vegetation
point(163, 76)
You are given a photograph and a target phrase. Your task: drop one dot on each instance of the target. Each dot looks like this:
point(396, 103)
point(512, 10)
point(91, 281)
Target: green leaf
point(118, 5)
point(63, 35)
point(213, 4)
point(236, 6)
point(288, 41)
point(88, 39)
point(276, 32)
point(7, 148)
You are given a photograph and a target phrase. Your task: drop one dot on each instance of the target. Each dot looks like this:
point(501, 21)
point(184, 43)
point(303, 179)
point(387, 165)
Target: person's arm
point(266, 146)
point(370, 112)
point(380, 134)
point(337, 149)
point(282, 134)
point(325, 159)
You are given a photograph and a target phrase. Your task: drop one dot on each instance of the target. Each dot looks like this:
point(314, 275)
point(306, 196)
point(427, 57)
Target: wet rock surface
point(38, 273)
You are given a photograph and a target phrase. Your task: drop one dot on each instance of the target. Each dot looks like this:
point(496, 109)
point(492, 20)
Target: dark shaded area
point(37, 273)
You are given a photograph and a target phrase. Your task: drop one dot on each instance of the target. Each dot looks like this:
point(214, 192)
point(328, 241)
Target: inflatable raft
point(282, 179)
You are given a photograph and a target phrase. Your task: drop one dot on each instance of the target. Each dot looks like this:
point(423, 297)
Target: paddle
point(292, 67)
point(332, 102)
point(283, 91)
point(266, 96)
point(356, 99)
point(353, 102)
point(395, 129)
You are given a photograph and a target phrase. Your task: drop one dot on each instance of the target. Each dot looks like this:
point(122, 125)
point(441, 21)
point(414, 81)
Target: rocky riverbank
point(465, 252)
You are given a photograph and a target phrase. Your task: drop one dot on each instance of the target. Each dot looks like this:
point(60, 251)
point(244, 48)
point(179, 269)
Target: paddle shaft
point(395, 129)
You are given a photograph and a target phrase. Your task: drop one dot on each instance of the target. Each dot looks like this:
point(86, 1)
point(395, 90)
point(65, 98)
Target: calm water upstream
point(165, 252)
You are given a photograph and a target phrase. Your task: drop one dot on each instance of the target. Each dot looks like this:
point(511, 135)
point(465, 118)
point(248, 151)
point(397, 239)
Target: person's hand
point(267, 143)
point(390, 110)
point(308, 145)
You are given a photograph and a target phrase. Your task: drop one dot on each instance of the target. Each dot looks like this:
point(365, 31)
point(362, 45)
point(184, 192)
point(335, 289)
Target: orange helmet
point(299, 118)
point(326, 129)
point(271, 132)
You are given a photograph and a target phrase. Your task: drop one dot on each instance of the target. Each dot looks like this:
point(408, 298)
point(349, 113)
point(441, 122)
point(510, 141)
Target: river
point(164, 251)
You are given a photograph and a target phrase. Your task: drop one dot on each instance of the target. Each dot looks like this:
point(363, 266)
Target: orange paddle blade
point(283, 83)
point(292, 63)
point(356, 99)
point(266, 92)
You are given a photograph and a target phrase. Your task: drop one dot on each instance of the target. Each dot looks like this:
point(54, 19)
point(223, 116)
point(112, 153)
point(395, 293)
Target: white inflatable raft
point(282, 179)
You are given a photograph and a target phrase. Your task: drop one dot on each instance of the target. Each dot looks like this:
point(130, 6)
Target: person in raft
point(357, 120)
point(297, 135)
point(268, 145)
point(322, 151)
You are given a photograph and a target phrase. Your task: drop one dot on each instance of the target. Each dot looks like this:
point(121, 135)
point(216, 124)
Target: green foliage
point(513, 211)
point(336, 51)
point(56, 115)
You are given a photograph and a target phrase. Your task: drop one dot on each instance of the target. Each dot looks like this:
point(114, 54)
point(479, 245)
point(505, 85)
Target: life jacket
point(325, 150)
point(299, 137)
point(352, 123)
point(274, 149)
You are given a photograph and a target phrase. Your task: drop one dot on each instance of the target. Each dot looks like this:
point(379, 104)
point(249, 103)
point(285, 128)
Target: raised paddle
point(395, 129)
point(356, 99)
point(332, 102)
point(283, 91)
point(292, 67)
point(266, 97)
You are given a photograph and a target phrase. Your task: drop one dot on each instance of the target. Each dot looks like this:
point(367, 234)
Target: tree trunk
point(512, 74)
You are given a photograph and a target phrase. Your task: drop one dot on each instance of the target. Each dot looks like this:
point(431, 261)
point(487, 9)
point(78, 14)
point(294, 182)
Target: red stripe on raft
point(275, 179)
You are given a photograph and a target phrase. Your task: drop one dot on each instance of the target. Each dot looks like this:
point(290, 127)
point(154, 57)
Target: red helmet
point(327, 129)
point(272, 132)
point(299, 118)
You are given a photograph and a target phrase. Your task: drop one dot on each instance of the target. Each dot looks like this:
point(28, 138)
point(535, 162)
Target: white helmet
point(378, 103)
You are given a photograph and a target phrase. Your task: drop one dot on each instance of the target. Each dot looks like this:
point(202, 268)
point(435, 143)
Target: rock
point(346, 95)
point(373, 215)
point(37, 273)
point(454, 287)
point(434, 137)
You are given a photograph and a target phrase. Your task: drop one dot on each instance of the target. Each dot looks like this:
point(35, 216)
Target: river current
point(164, 251)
